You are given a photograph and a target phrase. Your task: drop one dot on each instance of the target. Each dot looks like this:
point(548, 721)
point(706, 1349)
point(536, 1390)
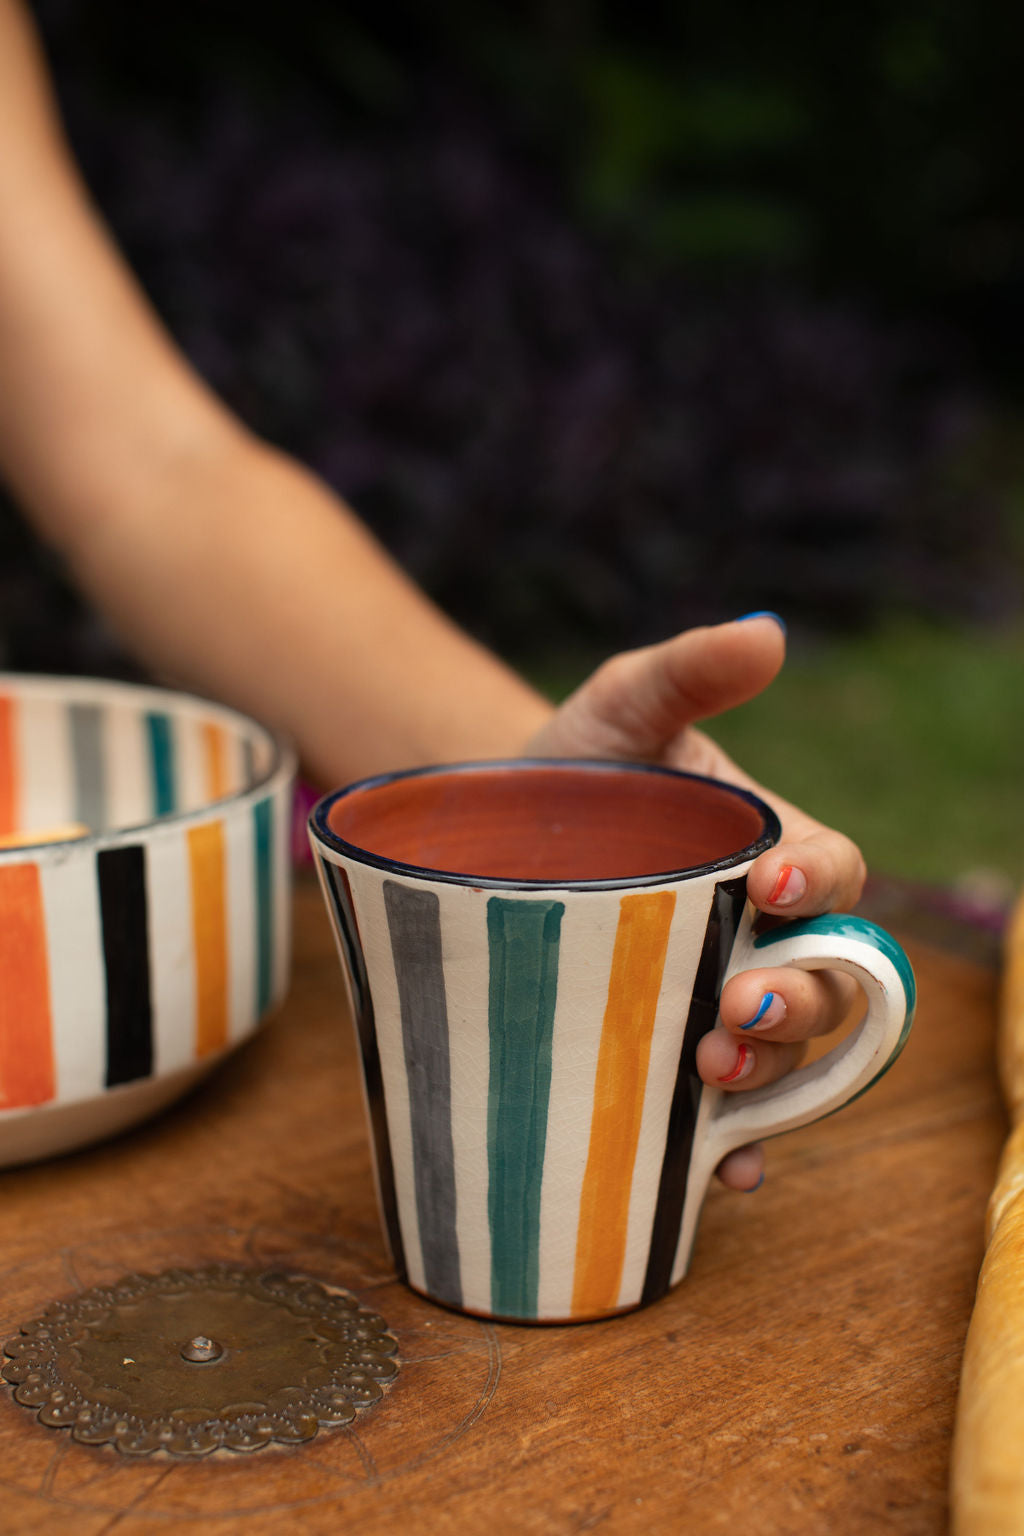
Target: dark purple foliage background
point(573, 445)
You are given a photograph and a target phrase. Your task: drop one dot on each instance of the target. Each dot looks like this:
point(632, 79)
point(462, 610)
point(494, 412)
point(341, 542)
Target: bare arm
point(232, 570)
point(224, 564)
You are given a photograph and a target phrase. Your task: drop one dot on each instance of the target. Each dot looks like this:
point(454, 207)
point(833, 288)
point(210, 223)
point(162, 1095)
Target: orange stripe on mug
point(27, 1072)
point(216, 756)
point(209, 935)
point(638, 962)
point(8, 767)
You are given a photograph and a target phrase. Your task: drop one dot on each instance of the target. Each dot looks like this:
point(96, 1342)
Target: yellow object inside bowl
point(66, 832)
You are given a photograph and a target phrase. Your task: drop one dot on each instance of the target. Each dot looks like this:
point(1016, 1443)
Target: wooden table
point(803, 1379)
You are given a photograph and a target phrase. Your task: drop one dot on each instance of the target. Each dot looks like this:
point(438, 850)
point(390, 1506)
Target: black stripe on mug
point(343, 911)
point(723, 920)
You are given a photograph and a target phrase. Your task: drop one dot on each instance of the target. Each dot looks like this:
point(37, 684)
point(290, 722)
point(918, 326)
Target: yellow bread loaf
point(988, 1447)
point(1011, 1017)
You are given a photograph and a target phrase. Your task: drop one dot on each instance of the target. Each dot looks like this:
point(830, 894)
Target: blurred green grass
point(911, 740)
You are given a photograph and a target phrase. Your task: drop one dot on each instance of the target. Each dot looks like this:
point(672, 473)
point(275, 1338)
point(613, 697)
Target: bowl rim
point(281, 769)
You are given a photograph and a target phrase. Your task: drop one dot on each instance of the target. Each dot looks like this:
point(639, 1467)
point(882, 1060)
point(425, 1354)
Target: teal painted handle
point(835, 942)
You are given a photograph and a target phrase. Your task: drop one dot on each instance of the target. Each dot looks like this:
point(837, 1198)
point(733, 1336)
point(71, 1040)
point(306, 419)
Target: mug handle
point(833, 942)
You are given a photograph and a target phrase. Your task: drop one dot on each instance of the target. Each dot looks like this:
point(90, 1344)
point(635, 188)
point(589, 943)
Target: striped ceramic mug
point(534, 950)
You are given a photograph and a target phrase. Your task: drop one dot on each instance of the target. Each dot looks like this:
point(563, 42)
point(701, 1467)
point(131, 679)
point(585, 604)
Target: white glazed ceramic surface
point(134, 957)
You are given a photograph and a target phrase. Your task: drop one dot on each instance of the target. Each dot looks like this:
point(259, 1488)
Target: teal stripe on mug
point(161, 762)
point(523, 943)
point(263, 848)
point(414, 926)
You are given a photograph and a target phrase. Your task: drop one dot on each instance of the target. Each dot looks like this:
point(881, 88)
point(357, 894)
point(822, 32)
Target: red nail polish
point(738, 1070)
point(779, 887)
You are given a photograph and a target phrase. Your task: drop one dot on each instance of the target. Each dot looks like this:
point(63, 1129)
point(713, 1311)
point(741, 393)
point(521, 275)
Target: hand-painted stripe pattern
point(638, 963)
point(78, 935)
point(415, 931)
point(263, 835)
point(161, 754)
point(9, 821)
point(523, 939)
point(124, 765)
point(340, 905)
point(121, 873)
point(209, 935)
point(507, 1023)
point(724, 916)
point(27, 1073)
point(89, 758)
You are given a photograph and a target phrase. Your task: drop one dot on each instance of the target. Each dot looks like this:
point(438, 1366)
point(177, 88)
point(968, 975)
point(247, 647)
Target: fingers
point(730, 1063)
point(766, 1016)
point(822, 873)
point(638, 702)
point(786, 1004)
point(726, 1062)
point(743, 1169)
point(641, 705)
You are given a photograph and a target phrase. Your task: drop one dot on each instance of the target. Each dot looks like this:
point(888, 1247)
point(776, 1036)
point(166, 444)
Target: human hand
point(641, 706)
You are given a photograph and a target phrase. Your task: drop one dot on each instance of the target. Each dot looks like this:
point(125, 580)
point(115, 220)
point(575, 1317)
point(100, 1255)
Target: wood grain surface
point(802, 1379)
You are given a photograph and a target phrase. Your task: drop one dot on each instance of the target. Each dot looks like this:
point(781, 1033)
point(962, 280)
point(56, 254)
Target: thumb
point(639, 701)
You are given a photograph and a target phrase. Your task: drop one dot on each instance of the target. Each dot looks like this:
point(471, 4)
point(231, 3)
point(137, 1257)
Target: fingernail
point(754, 1187)
point(790, 886)
point(764, 613)
point(771, 1010)
point(744, 1064)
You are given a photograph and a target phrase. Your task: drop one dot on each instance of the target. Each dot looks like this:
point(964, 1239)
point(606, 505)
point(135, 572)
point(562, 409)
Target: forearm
point(227, 567)
point(247, 580)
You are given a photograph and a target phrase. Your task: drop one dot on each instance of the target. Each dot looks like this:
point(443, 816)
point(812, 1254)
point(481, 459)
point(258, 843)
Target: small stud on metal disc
point(201, 1350)
point(192, 1361)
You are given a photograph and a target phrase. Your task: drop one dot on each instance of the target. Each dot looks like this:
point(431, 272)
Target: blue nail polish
point(766, 1003)
point(764, 613)
point(756, 1186)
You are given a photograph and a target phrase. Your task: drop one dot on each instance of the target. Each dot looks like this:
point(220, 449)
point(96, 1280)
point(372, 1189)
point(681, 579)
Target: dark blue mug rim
point(771, 829)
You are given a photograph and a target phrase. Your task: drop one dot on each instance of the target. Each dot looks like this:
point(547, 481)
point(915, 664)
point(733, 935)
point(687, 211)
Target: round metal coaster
point(189, 1361)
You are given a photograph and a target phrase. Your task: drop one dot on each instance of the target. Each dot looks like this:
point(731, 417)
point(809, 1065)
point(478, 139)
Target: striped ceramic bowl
point(152, 933)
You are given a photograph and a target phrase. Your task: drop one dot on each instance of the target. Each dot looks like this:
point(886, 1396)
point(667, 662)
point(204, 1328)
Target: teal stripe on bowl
point(161, 762)
point(263, 842)
point(523, 940)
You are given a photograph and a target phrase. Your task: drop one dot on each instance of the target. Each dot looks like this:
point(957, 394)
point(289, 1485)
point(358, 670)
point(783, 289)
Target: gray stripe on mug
point(90, 766)
point(414, 925)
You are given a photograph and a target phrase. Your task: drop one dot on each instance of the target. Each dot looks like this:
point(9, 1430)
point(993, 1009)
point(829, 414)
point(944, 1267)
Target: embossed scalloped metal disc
point(190, 1361)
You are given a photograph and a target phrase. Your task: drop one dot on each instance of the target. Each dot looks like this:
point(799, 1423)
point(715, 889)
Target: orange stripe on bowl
point(8, 767)
point(216, 755)
point(638, 962)
point(207, 870)
point(27, 1071)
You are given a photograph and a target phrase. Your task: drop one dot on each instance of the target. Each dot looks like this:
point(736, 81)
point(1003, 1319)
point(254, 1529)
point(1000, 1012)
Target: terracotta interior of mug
point(563, 822)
